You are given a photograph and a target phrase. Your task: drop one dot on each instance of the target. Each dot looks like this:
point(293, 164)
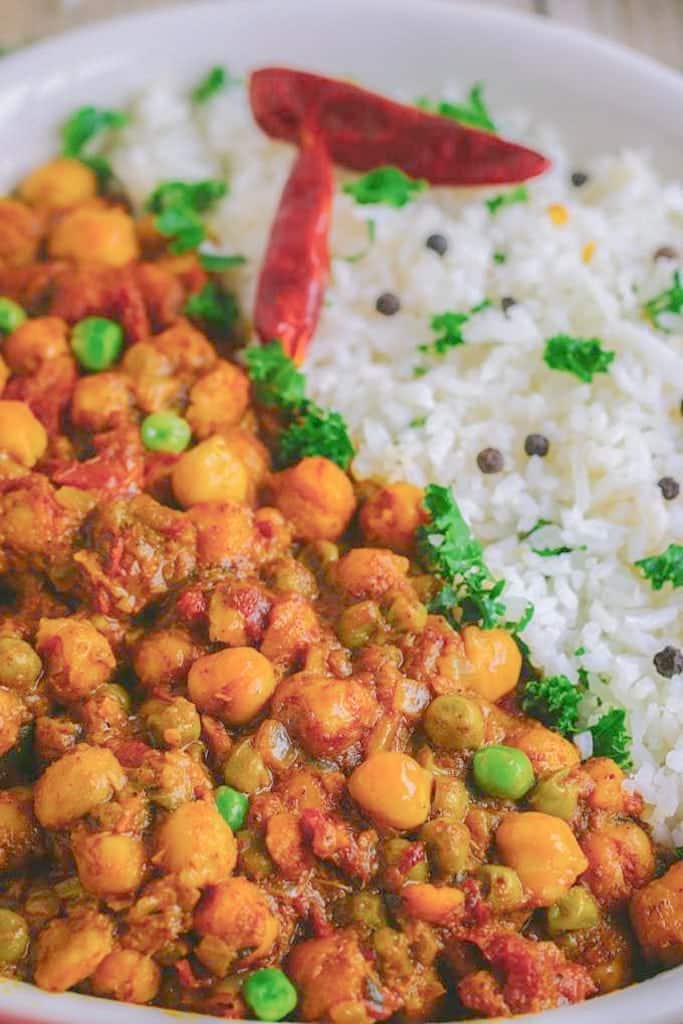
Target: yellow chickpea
point(4, 374)
point(20, 232)
point(317, 497)
point(657, 917)
point(67, 952)
point(620, 858)
point(94, 233)
point(439, 905)
point(76, 784)
point(128, 976)
point(370, 572)
point(493, 662)
point(233, 916)
point(219, 399)
point(22, 436)
point(607, 793)
point(392, 789)
point(35, 342)
point(543, 851)
point(19, 834)
point(225, 533)
point(327, 715)
point(209, 472)
point(109, 865)
point(12, 714)
point(76, 656)
point(390, 517)
point(197, 845)
point(101, 400)
point(547, 750)
point(234, 684)
point(251, 452)
point(163, 658)
point(61, 182)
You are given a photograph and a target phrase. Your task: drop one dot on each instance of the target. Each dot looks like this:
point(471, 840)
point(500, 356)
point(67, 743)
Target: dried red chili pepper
point(296, 266)
point(363, 130)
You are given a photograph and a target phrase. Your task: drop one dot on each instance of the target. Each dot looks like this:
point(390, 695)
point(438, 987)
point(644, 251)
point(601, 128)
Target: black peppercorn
point(388, 304)
point(507, 302)
point(669, 661)
point(536, 444)
point(490, 460)
point(665, 252)
point(579, 178)
point(438, 244)
point(669, 487)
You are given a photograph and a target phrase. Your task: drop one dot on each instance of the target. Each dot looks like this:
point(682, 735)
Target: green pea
point(253, 856)
point(13, 937)
point(171, 723)
point(270, 993)
point(359, 624)
point(363, 908)
point(11, 315)
point(233, 806)
point(97, 342)
point(245, 769)
point(448, 845)
point(454, 722)
point(575, 911)
point(503, 772)
point(394, 873)
point(556, 795)
point(20, 666)
point(165, 432)
point(501, 888)
point(406, 615)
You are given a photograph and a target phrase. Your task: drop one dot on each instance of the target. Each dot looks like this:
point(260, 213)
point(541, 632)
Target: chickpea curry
point(247, 769)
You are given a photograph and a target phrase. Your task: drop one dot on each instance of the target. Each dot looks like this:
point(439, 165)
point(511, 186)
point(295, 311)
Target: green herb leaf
point(215, 307)
point(678, 850)
point(555, 701)
point(387, 185)
point(537, 526)
point(611, 738)
point(419, 371)
point(551, 552)
point(499, 257)
point(178, 205)
point(276, 380)
point(101, 166)
point(316, 431)
point(474, 112)
point(579, 652)
point(214, 261)
point(448, 549)
point(517, 195)
point(84, 124)
point(370, 226)
point(417, 421)
point(668, 301)
point(215, 80)
point(584, 357)
point(664, 568)
point(448, 328)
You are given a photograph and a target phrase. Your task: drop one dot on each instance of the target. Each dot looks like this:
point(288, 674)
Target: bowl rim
point(655, 1001)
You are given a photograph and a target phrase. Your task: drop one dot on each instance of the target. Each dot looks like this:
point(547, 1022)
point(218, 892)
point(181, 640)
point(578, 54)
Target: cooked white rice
point(610, 441)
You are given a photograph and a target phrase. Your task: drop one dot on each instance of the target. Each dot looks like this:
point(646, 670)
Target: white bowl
point(601, 96)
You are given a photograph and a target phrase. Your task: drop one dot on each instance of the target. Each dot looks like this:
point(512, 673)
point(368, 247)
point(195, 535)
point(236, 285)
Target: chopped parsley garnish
point(668, 301)
point(547, 552)
point(84, 125)
point(584, 357)
point(449, 550)
point(473, 112)
point(555, 701)
point(370, 227)
point(388, 185)
point(448, 329)
point(215, 307)
point(419, 371)
point(499, 257)
point(580, 651)
point(537, 526)
point(178, 205)
point(215, 80)
point(517, 195)
point(417, 421)
point(611, 738)
point(678, 850)
point(215, 261)
point(309, 430)
point(664, 568)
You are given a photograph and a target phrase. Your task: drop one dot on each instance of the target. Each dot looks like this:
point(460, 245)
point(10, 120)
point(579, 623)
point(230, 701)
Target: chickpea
point(76, 784)
point(232, 917)
point(390, 517)
point(61, 182)
point(163, 658)
point(20, 666)
point(101, 400)
point(233, 684)
point(401, 862)
point(22, 436)
point(392, 789)
point(574, 911)
point(251, 452)
point(172, 778)
point(109, 866)
point(620, 858)
point(128, 976)
point(293, 628)
point(364, 909)
point(657, 917)
point(171, 723)
point(544, 853)
point(370, 572)
point(197, 845)
point(209, 472)
point(246, 769)
point(493, 662)
point(448, 846)
point(34, 343)
point(94, 233)
point(291, 575)
point(238, 613)
point(548, 751)
point(78, 659)
point(225, 533)
point(317, 497)
point(332, 977)
point(450, 797)
point(20, 232)
point(19, 835)
point(12, 714)
point(501, 887)
point(607, 793)
point(4, 374)
point(557, 795)
point(219, 399)
point(150, 373)
point(454, 722)
point(360, 623)
point(14, 937)
point(327, 715)
point(438, 905)
point(67, 952)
